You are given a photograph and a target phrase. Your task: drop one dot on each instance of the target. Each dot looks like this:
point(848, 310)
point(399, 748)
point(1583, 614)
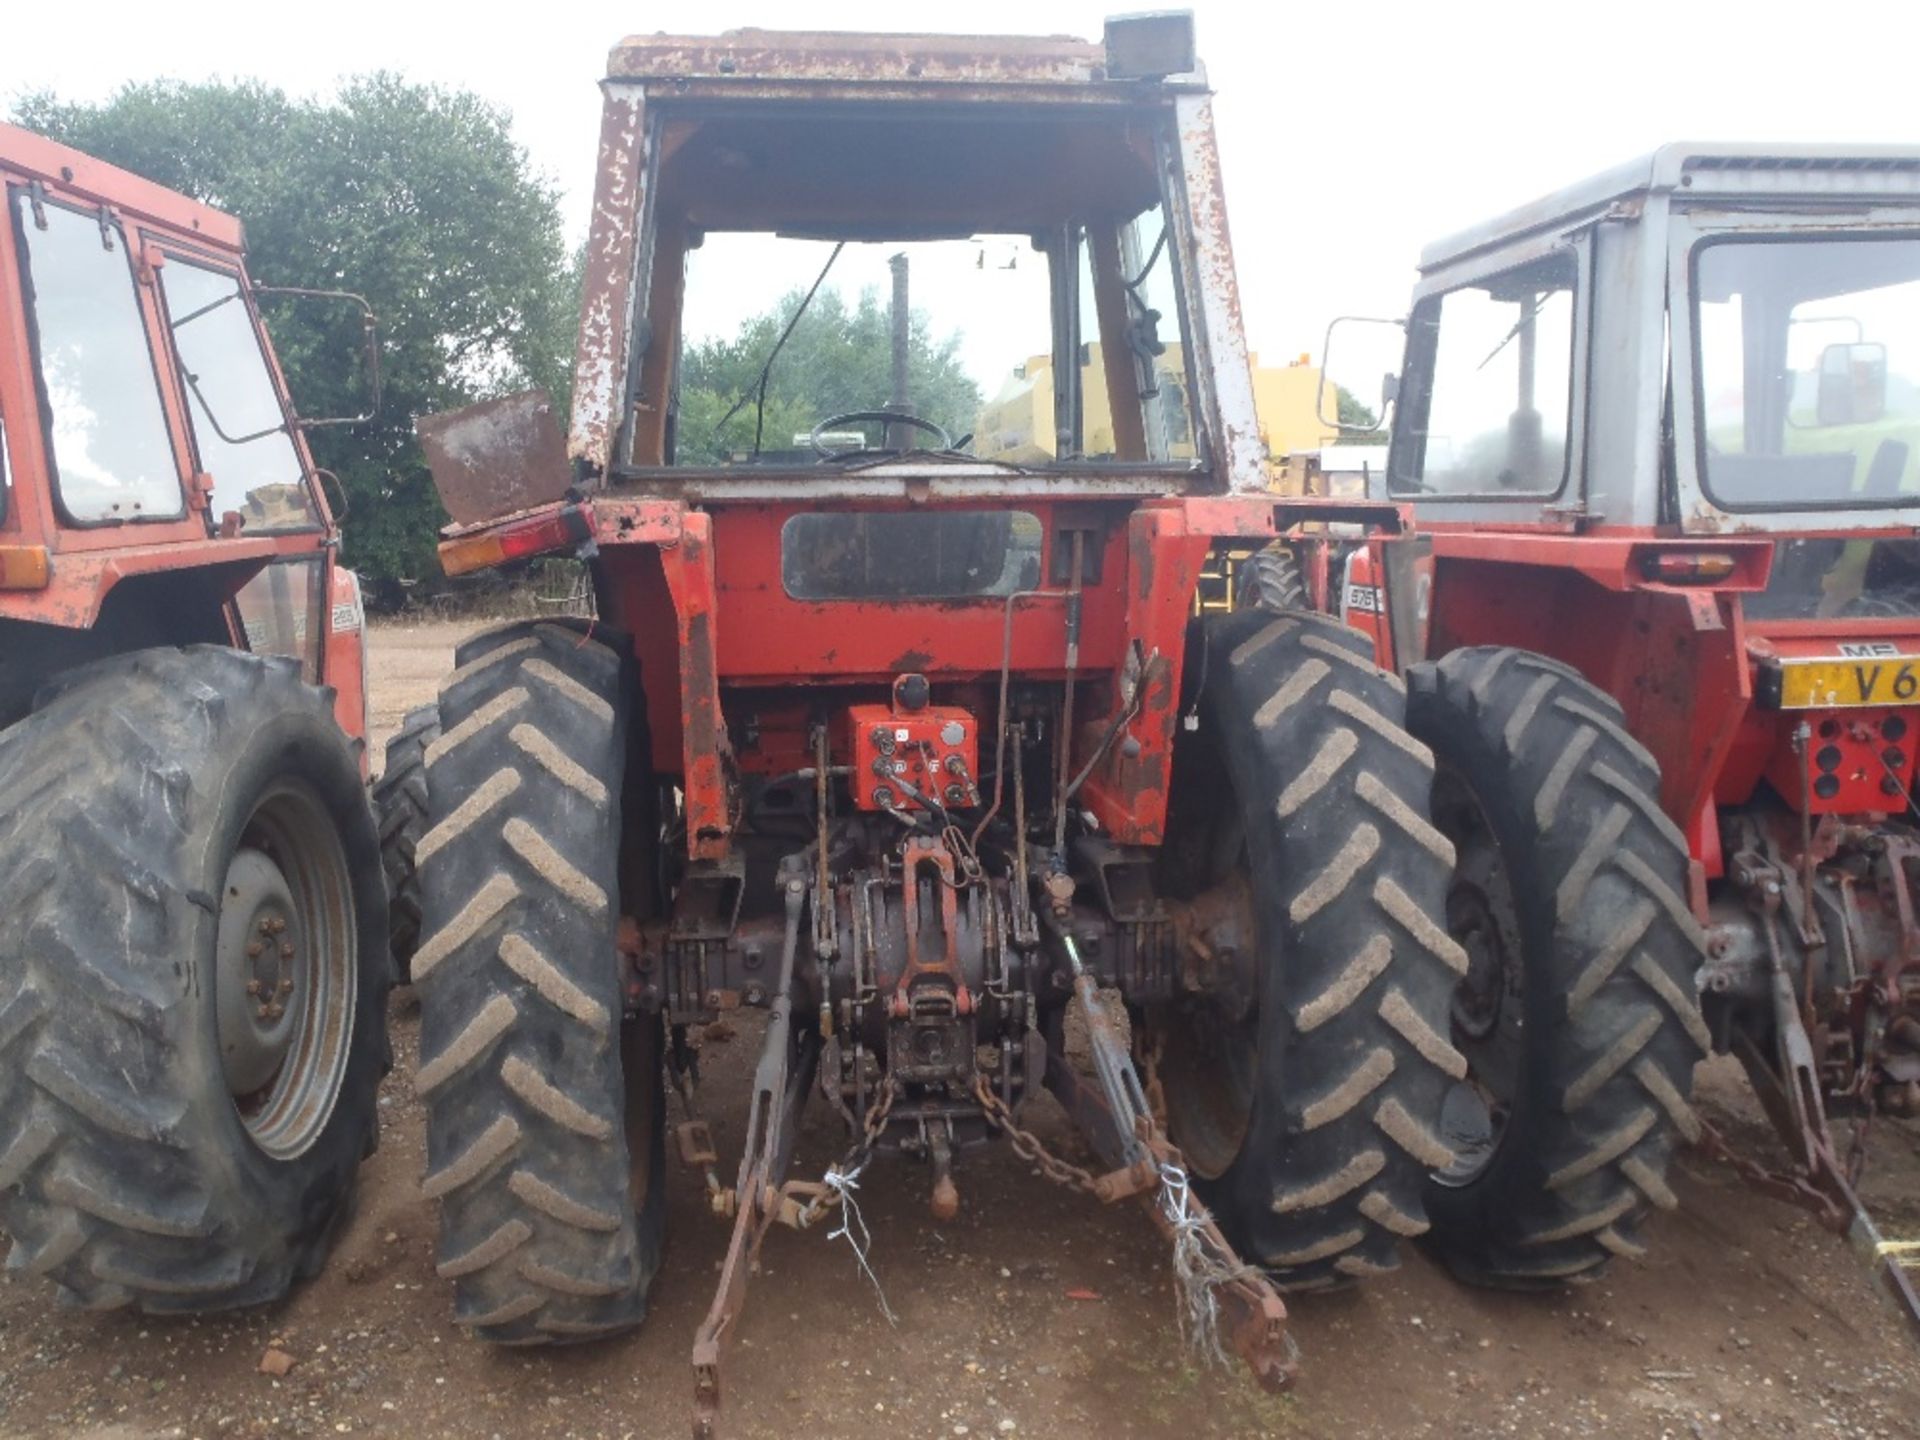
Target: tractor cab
point(1707, 342)
point(157, 484)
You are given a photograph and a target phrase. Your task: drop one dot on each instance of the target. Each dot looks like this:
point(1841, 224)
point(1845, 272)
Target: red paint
point(736, 682)
point(706, 749)
point(345, 656)
point(935, 750)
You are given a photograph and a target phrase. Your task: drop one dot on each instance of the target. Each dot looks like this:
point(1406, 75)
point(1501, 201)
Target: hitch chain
point(1027, 1145)
point(1203, 1262)
point(805, 1203)
point(1221, 1300)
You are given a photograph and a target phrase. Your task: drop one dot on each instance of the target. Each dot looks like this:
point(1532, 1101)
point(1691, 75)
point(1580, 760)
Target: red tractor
point(1663, 430)
point(193, 947)
point(912, 744)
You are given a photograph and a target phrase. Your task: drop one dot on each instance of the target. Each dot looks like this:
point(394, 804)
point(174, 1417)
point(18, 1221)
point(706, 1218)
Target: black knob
point(911, 692)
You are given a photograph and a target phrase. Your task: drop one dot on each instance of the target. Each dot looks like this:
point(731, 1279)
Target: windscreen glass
point(1493, 362)
point(979, 319)
point(112, 457)
point(910, 555)
point(1830, 577)
point(979, 349)
point(239, 429)
point(1808, 369)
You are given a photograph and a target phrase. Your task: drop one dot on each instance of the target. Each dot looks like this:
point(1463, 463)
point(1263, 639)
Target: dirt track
point(1743, 1320)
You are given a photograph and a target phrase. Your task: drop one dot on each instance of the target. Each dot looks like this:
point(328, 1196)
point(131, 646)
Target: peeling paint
point(600, 357)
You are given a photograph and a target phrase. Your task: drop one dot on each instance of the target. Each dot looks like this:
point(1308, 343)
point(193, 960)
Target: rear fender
point(344, 665)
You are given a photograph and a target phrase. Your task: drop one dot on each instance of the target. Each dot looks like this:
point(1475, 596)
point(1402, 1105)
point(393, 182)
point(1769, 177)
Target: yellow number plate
point(1839, 684)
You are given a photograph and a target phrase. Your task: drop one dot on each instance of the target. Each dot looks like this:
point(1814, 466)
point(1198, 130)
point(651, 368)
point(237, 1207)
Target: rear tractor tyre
point(193, 980)
point(1310, 1120)
point(1578, 1014)
point(545, 1120)
point(1270, 579)
point(400, 805)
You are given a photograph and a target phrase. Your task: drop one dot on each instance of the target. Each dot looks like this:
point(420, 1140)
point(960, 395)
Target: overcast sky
point(1351, 133)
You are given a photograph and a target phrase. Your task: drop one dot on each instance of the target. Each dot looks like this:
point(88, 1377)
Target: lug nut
point(254, 949)
point(261, 1012)
point(274, 1012)
point(286, 986)
point(278, 924)
point(253, 987)
point(286, 950)
point(266, 926)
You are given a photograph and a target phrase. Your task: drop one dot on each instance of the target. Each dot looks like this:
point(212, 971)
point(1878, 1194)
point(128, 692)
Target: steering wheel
point(889, 417)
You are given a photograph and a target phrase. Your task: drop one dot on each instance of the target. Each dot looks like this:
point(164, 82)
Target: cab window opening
point(1043, 324)
point(108, 445)
point(1490, 373)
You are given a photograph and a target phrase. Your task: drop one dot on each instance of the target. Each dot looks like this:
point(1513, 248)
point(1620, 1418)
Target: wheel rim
point(1488, 1009)
point(1210, 1055)
point(1210, 1067)
point(286, 973)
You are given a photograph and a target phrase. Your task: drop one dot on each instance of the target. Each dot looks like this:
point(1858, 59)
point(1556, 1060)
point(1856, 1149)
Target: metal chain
point(1857, 1152)
point(1797, 1188)
point(1027, 1145)
point(823, 1197)
point(1151, 1045)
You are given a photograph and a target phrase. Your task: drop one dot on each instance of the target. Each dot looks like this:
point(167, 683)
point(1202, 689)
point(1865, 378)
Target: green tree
point(838, 358)
point(1357, 420)
point(414, 196)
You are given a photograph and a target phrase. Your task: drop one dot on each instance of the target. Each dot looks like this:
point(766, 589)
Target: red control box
point(902, 759)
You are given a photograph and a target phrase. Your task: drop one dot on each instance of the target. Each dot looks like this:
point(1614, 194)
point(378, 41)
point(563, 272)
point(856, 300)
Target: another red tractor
point(1663, 429)
point(193, 947)
point(908, 744)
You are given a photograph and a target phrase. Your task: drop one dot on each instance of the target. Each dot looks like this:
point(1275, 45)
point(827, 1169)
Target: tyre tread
point(1328, 1181)
point(518, 992)
point(1580, 797)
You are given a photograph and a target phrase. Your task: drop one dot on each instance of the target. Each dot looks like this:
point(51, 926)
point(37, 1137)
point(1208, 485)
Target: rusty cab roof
point(25, 155)
point(776, 57)
point(897, 137)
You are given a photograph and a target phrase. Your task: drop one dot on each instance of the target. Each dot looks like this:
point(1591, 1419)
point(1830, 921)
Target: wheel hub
point(1211, 1040)
point(1488, 1009)
point(257, 963)
point(1478, 999)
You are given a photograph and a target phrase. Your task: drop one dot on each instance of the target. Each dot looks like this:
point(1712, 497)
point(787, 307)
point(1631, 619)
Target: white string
point(1197, 1271)
point(844, 1185)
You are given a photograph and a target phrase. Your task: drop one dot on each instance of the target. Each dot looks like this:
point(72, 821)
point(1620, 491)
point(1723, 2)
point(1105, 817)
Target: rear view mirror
point(370, 348)
point(1853, 384)
point(1359, 385)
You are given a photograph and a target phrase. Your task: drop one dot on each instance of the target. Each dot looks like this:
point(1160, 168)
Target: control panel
point(914, 759)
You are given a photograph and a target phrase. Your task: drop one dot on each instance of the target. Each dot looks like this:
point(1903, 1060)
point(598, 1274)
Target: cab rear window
point(910, 555)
